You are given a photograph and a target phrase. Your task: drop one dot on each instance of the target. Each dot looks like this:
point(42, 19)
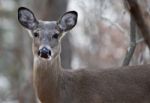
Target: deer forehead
point(47, 26)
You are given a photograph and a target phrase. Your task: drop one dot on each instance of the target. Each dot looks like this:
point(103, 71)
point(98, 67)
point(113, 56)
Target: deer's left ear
point(68, 20)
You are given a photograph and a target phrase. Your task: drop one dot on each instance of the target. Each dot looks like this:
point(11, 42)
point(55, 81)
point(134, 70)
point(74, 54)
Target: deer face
point(46, 34)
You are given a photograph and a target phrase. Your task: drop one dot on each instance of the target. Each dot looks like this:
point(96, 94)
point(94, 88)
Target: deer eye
point(55, 36)
point(36, 34)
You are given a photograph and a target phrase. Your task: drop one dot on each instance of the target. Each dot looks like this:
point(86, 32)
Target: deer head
point(46, 35)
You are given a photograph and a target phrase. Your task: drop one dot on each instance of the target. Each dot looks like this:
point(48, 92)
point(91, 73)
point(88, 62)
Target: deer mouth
point(44, 53)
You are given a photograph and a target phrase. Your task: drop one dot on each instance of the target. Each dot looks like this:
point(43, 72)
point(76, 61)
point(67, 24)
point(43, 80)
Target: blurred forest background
point(100, 39)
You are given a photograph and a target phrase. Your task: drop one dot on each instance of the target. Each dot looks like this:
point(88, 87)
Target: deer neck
point(46, 75)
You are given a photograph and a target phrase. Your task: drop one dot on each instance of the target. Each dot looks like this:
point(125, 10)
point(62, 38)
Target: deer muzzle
point(44, 52)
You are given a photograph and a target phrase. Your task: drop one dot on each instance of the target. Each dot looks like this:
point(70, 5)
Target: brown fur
point(121, 85)
point(53, 84)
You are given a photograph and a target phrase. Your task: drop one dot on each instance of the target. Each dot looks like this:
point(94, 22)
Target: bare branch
point(132, 46)
point(141, 16)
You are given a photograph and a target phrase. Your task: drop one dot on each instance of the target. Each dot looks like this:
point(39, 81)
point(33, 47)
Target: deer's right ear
point(27, 18)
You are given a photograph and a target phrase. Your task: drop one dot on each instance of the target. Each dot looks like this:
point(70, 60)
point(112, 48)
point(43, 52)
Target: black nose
point(44, 53)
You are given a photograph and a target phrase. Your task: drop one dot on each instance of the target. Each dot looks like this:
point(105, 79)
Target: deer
point(55, 84)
